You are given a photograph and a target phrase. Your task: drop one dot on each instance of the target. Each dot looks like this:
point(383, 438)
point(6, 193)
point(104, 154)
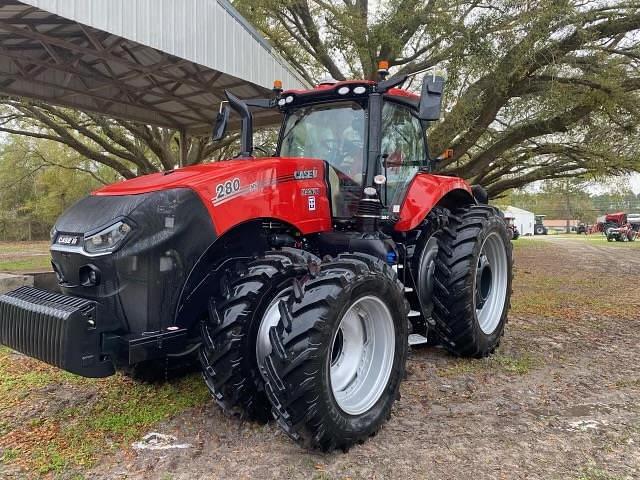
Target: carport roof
point(161, 62)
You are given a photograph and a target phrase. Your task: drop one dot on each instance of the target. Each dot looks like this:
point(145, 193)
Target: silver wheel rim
point(361, 355)
point(270, 318)
point(491, 283)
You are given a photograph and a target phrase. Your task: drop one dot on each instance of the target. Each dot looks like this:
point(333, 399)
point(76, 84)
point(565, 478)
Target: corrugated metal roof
point(208, 32)
point(163, 62)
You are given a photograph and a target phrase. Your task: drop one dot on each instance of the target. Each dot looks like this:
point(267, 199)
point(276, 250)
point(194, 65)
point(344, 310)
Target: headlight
point(108, 239)
point(52, 233)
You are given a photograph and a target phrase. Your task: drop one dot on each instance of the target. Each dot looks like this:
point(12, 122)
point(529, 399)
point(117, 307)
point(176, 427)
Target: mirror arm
point(261, 102)
point(246, 134)
point(394, 81)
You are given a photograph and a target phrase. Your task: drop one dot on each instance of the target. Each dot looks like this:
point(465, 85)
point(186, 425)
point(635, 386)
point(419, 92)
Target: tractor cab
point(333, 122)
point(372, 136)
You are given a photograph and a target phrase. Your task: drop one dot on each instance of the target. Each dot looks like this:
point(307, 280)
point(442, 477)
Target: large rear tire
point(338, 353)
point(230, 335)
point(472, 281)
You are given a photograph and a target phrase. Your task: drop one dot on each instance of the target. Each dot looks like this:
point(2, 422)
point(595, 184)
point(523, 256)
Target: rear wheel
point(338, 353)
point(237, 328)
point(472, 281)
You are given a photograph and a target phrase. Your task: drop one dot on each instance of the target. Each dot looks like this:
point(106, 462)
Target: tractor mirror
point(431, 98)
point(222, 121)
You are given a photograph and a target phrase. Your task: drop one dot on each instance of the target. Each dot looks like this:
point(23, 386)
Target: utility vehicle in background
point(297, 278)
point(539, 228)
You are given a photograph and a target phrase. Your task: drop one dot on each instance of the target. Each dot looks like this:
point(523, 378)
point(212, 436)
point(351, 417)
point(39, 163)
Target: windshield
point(332, 131)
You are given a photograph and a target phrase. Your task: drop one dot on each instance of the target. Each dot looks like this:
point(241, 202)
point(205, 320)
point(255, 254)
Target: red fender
point(424, 193)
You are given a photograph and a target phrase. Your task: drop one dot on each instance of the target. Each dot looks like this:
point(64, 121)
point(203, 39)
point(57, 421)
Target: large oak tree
point(128, 148)
point(537, 89)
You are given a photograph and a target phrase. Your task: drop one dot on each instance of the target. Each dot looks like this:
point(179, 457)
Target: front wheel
point(472, 281)
point(338, 353)
point(235, 335)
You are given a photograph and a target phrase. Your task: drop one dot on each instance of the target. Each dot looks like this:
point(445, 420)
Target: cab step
point(417, 339)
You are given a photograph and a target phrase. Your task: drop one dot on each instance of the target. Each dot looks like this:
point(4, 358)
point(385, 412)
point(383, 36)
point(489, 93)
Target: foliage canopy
point(537, 89)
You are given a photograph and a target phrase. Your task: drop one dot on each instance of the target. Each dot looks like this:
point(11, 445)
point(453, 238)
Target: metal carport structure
point(160, 62)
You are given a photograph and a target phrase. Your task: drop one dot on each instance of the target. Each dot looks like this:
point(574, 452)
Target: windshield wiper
point(304, 114)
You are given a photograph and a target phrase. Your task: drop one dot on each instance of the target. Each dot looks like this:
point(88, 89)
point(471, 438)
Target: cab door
point(404, 152)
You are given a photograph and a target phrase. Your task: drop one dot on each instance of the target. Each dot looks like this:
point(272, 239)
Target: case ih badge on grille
point(70, 240)
point(330, 248)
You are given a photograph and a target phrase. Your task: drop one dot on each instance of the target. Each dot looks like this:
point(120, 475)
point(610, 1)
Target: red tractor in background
point(296, 278)
point(617, 227)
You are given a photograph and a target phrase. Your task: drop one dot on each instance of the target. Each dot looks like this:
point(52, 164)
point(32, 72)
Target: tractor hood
point(293, 190)
point(194, 177)
point(181, 177)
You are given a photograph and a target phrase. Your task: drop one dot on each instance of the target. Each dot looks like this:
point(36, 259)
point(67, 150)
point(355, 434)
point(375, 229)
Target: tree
point(39, 180)
point(538, 89)
point(129, 148)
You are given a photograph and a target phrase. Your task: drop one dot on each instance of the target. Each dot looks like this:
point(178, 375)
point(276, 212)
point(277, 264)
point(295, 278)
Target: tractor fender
point(427, 191)
point(242, 242)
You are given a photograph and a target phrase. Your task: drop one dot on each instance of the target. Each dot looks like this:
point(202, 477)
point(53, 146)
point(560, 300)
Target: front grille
point(57, 329)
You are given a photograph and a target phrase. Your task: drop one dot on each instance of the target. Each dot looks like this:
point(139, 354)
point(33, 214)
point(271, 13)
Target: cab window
point(333, 132)
point(403, 150)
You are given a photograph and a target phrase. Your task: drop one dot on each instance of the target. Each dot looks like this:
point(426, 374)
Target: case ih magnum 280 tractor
point(297, 279)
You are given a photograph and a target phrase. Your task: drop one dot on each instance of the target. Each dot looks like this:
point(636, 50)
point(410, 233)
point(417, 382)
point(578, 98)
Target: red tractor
point(617, 227)
point(297, 279)
point(613, 220)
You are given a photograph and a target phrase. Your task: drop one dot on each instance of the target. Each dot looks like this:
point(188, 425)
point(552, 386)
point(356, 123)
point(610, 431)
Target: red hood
point(194, 176)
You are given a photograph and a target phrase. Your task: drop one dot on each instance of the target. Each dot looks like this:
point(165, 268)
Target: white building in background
point(522, 219)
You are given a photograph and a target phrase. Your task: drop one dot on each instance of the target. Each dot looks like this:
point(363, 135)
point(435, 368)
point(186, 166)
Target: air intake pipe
point(246, 133)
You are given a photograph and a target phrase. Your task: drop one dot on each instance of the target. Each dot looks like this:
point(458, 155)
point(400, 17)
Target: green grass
point(596, 239)
point(592, 473)
point(24, 256)
point(528, 244)
point(113, 412)
point(497, 363)
point(8, 455)
point(41, 262)
point(517, 366)
point(24, 247)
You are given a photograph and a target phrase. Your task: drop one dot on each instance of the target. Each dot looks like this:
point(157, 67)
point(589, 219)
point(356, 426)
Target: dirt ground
point(560, 399)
